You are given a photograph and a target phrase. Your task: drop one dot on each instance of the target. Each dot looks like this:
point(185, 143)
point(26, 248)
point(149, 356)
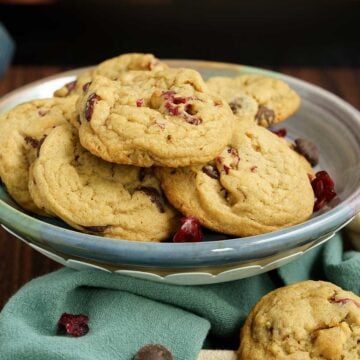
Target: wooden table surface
point(19, 263)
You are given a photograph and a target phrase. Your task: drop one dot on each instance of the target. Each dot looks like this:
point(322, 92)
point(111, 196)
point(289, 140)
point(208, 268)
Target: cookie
point(111, 69)
point(22, 130)
point(307, 320)
point(255, 186)
point(98, 197)
point(266, 100)
point(165, 118)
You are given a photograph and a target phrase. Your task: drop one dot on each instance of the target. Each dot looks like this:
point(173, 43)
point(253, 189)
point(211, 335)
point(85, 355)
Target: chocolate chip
point(40, 144)
point(265, 114)
point(236, 104)
point(86, 86)
point(308, 149)
point(154, 195)
point(89, 107)
point(31, 141)
point(143, 172)
point(153, 352)
point(190, 109)
point(96, 229)
point(211, 171)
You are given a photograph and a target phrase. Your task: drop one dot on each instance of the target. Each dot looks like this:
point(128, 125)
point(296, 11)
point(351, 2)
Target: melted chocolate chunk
point(211, 171)
point(154, 196)
point(308, 149)
point(266, 114)
point(153, 352)
point(96, 229)
point(31, 141)
point(39, 145)
point(89, 107)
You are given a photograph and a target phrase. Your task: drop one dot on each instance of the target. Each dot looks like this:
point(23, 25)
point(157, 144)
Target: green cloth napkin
point(126, 313)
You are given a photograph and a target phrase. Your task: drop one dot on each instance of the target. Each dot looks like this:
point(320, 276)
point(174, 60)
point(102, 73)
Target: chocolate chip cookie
point(22, 130)
point(111, 69)
point(307, 320)
point(166, 118)
point(98, 197)
point(266, 100)
point(256, 185)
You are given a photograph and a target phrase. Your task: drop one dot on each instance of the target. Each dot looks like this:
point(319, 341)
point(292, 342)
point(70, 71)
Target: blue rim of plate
point(217, 252)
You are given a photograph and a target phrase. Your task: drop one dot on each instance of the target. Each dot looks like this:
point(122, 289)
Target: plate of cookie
point(178, 171)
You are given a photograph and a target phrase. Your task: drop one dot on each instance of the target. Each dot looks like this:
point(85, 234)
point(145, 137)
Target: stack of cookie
point(131, 145)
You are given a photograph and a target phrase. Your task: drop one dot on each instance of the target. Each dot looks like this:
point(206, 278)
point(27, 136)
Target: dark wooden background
point(252, 32)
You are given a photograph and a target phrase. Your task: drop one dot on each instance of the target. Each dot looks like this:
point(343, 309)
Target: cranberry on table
point(74, 325)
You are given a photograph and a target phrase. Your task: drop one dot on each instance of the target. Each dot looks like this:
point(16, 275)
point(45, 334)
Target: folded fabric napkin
point(126, 313)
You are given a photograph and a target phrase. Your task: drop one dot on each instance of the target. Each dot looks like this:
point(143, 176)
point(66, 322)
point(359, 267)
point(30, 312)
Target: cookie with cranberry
point(307, 320)
point(266, 100)
point(165, 118)
point(111, 69)
point(22, 131)
point(98, 197)
point(255, 186)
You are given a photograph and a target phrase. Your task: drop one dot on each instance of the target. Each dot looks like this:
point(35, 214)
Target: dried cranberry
point(280, 132)
point(323, 187)
point(179, 100)
point(226, 169)
point(190, 231)
point(168, 95)
point(74, 325)
point(172, 109)
point(42, 112)
point(89, 107)
point(345, 301)
point(71, 86)
point(191, 119)
point(139, 102)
